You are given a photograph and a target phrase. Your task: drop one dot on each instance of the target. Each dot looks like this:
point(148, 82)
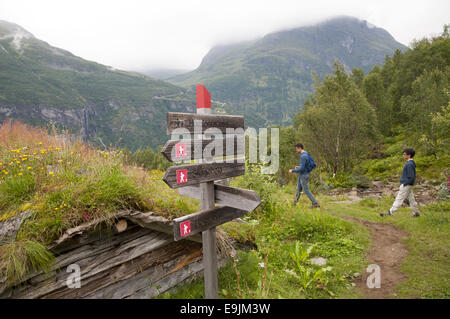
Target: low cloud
point(138, 35)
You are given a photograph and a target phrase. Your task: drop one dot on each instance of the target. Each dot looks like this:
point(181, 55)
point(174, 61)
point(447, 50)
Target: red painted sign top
point(203, 97)
point(185, 228)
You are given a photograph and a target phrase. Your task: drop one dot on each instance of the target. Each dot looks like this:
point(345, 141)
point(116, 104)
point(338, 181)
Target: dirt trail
point(386, 251)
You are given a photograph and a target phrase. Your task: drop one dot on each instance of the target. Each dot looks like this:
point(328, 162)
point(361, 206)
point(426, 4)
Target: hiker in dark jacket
point(303, 175)
point(406, 184)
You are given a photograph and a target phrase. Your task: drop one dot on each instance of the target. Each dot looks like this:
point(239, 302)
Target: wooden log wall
point(134, 263)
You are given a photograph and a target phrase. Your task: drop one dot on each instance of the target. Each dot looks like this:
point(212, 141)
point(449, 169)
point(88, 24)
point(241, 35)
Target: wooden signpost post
point(197, 180)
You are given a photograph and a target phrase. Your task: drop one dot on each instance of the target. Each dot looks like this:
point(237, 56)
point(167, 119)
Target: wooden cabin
point(132, 255)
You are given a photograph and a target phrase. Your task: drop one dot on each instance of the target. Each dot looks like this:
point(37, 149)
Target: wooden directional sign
point(227, 196)
point(194, 223)
point(181, 150)
point(205, 121)
point(185, 175)
point(203, 175)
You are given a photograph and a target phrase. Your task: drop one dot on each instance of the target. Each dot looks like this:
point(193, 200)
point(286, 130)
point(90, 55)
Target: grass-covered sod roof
point(62, 184)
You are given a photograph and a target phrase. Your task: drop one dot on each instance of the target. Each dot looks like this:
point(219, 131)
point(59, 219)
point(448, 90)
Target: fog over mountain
point(144, 35)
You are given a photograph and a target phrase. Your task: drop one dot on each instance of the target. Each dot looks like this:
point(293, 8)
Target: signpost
point(182, 150)
point(191, 174)
point(227, 196)
point(199, 123)
point(203, 220)
point(197, 180)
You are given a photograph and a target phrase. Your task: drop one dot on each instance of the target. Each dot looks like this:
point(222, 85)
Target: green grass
point(65, 185)
point(427, 265)
point(287, 239)
point(21, 257)
point(389, 168)
point(272, 271)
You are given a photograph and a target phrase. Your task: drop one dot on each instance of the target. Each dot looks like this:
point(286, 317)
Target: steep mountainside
point(268, 79)
point(41, 84)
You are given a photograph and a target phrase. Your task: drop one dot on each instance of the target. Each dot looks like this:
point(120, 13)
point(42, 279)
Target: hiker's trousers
point(405, 192)
point(302, 184)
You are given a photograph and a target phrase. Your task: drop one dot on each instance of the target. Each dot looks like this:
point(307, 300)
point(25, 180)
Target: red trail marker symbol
point(185, 228)
point(180, 150)
point(182, 176)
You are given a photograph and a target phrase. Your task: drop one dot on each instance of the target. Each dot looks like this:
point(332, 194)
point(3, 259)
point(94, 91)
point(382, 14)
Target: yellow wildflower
point(40, 143)
point(51, 173)
point(28, 167)
point(20, 174)
point(56, 208)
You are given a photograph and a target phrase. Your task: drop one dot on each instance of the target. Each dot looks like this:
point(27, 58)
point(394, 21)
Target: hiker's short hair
point(409, 151)
point(299, 145)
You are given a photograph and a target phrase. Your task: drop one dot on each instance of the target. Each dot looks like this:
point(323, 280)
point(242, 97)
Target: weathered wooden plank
point(82, 254)
point(182, 150)
point(185, 175)
point(183, 276)
point(227, 196)
point(158, 223)
point(100, 259)
point(83, 244)
point(123, 275)
point(146, 284)
point(199, 123)
point(189, 225)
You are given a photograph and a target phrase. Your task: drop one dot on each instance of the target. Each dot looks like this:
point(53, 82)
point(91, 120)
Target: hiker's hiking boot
point(415, 215)
point(316, 205)
point(388, 213)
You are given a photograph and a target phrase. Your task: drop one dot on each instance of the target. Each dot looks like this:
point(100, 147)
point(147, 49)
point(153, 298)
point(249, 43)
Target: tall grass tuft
point(19, 258)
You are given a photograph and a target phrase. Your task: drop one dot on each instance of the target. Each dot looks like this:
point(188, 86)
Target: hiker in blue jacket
point(306, 166)
point(406, 185)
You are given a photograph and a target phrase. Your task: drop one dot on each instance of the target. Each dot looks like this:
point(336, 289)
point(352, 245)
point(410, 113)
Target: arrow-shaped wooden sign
point(181, 150)
point(194, 223)
point(227, 196)
point(199, 123)
point(185, 175)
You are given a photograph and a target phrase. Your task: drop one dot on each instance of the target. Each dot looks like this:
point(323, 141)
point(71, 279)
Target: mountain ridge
point(40, 83)
point(273, 73)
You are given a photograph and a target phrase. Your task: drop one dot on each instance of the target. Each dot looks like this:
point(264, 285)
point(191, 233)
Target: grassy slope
point(129, 107)
point(66, 184)
point(343, 243)
point(389, 167)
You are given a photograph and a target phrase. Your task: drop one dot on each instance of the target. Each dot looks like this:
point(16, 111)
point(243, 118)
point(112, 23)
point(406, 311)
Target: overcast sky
point(140, 35)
